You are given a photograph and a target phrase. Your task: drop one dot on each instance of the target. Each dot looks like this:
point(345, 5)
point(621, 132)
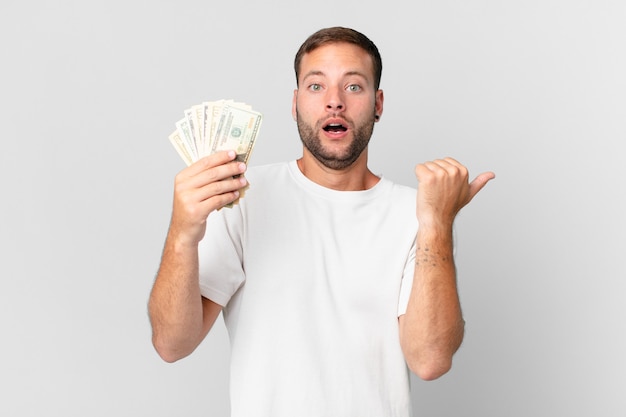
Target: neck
point(356, 177)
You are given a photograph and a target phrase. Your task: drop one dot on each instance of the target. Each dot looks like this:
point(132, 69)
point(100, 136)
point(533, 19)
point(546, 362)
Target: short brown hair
point(340, 34)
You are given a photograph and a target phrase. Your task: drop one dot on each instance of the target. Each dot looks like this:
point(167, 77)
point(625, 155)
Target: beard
point(336, 160)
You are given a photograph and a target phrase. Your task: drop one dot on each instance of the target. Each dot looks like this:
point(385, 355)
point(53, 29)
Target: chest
point(315, 253)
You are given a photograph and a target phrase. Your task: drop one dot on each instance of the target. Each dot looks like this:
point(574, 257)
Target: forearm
point(175, 305)
point(431, 330)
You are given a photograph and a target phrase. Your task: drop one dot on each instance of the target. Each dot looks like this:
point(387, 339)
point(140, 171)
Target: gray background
point(533, 90)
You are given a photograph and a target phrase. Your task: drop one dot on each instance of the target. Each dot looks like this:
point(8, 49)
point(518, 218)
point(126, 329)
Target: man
point(331, 279)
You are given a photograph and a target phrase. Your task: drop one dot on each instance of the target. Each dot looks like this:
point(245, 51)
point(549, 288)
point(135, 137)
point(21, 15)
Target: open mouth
point(335, 127)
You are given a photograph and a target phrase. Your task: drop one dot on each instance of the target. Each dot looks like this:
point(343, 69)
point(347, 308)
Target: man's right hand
point(206, 185)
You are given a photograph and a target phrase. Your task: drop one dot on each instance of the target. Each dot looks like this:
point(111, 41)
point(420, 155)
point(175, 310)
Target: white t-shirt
point(312, 281)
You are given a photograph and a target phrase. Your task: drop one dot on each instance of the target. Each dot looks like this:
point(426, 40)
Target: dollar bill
point(211, 113)
point(184, 131)
point(180, 147)
point(214, 126)
point(197, 116)
point(237, 129)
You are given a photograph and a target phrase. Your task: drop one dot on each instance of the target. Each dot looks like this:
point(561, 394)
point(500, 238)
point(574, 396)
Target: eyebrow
point(321, 73)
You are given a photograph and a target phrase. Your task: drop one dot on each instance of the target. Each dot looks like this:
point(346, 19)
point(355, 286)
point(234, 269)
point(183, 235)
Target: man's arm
point(179, 315)
point(432, 328)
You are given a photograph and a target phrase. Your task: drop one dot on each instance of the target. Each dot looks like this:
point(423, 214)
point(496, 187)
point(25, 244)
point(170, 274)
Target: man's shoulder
point(400, 189)
point(268, 179)
point(270, 169)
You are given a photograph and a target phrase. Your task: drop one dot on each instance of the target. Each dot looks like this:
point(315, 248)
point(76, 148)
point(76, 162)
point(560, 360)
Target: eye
point(354, 88)
point(315, 87)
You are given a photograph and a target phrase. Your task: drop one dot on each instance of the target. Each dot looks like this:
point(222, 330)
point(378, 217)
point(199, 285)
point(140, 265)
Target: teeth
point(334, 127)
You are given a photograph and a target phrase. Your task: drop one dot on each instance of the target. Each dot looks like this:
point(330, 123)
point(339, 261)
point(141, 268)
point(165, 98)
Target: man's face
point(335, 103)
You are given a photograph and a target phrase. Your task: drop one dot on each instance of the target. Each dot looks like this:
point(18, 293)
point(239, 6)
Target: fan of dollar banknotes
point(214, 126)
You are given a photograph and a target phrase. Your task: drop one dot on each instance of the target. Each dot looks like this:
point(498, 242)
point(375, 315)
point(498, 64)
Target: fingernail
point(243, 180)
point(242, 167)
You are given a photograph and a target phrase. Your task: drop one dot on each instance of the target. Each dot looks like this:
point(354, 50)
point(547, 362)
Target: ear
point(378, 105)
point(293, 105)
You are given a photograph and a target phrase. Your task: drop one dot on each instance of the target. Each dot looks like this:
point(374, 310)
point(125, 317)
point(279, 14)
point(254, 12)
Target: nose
point(334, 100)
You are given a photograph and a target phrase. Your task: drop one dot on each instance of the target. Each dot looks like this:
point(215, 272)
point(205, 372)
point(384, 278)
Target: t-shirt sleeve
point(220, 256)
point(407, 281)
